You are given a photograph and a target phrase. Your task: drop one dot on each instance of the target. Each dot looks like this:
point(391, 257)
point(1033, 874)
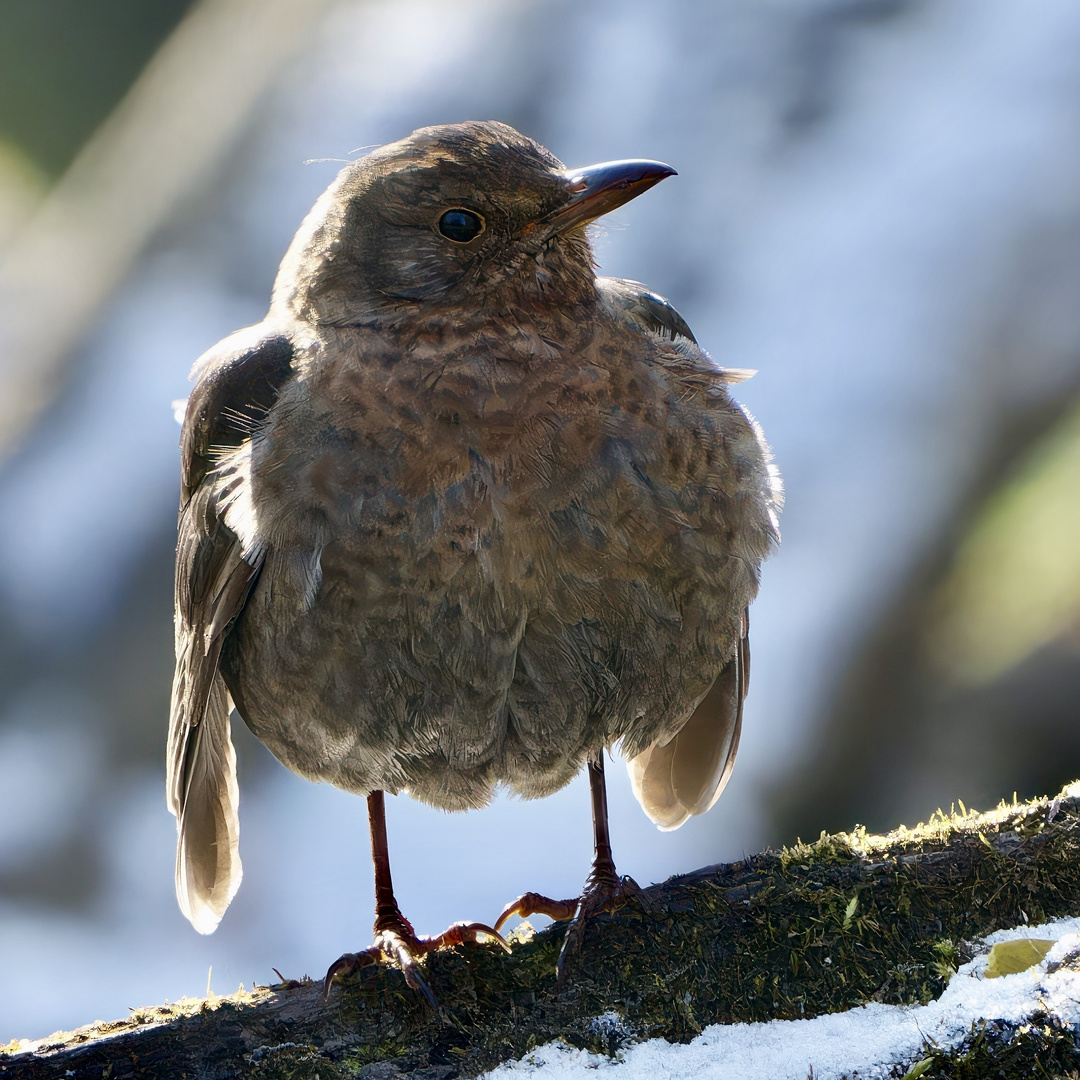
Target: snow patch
point(867, 1042)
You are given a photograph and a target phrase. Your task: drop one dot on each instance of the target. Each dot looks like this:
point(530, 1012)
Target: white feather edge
point(205, 912)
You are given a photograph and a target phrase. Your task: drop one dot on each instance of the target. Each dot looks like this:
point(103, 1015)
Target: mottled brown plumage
point(459, 514)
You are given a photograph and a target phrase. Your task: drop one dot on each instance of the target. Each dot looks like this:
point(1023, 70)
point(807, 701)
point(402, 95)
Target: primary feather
point(684, 776)
point(218, 558)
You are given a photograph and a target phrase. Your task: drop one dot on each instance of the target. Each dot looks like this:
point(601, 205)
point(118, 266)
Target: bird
point(461, 515)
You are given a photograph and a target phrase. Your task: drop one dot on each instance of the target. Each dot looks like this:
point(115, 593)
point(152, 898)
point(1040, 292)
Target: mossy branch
point(811, 929)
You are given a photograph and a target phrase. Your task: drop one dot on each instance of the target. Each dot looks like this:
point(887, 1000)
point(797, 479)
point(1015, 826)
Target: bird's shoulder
point(630, 302)
point(236, 384)
point(647, 309)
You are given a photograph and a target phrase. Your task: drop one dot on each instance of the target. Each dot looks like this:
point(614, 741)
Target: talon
point(636, 892)
point(604, 891)
point(461, 932)
point(531, 903)
point(347, 963)
point(571, 946)
point(411, 971)
point(396, 941)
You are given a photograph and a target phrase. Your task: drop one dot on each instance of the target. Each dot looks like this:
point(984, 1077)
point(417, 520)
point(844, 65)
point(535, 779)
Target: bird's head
point(473, 216)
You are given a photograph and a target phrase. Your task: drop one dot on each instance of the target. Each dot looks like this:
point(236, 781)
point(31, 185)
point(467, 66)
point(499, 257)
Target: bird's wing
point(646, 308)
point(685, 776)
point(217, 564)
point(651, 312)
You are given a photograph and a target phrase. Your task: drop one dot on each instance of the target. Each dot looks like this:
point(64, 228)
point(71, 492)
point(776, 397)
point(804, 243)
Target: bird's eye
point(461, 226)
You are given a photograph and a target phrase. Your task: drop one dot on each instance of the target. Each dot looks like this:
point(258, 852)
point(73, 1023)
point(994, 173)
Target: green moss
point(815, 928)
point(294, 1063)
point(1039, 1050)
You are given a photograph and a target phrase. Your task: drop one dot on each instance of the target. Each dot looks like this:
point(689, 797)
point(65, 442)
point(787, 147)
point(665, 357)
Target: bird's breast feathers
point(611, 458)
point(466, 546)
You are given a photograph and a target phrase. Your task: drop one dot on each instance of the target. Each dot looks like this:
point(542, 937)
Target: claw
point(604, 891)
point(286, 984)
point(411, 971)
point(461, 932)
point(532, 903)
point(397, 942)
point(347, 964)
point(571, 946)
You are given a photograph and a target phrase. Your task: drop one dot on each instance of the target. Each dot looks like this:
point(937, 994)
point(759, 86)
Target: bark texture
point(815, 928)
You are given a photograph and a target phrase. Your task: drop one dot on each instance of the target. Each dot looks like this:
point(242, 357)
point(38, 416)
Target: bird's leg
point(602, 875)
point(395, 940)
point(604, 889)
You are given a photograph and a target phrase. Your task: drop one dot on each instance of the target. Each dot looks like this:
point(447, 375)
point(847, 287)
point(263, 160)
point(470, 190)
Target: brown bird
point(460, 514)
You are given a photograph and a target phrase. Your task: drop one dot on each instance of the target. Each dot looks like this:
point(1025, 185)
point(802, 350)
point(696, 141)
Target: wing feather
point(685, 776)
point(215, 571)
point(652, 312)
point(646, 308)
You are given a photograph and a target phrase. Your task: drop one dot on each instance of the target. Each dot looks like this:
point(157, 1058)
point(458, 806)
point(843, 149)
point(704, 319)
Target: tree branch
point(816, 928)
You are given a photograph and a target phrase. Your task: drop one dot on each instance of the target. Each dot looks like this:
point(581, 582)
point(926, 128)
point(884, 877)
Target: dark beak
point(597, 190)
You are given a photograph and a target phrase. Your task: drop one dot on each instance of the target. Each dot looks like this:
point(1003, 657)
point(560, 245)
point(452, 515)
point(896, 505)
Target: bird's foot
point(604, 891)
point(397, 942)
point(533, 903)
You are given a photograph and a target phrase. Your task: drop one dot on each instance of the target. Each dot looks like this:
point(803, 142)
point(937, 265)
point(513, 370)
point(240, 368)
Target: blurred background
point(877, 207)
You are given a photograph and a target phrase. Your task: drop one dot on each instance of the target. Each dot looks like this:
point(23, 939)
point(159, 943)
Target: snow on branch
point(815, 929)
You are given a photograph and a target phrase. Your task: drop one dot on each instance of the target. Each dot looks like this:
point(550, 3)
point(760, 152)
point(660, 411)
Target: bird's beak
point(597, 190)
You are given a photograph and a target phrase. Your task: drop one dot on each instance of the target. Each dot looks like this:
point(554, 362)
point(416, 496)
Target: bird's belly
point(471, 645)
point(495, 619)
